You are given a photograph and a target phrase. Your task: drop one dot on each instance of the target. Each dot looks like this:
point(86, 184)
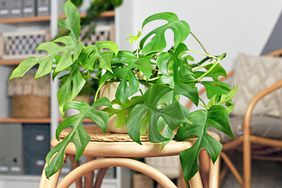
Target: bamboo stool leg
point(196, 181)
point(88, 179)
point(51, 182)
point(74, 165)
point(100, 176)
point(181, 181)
point(214, 174)
point(204, 168)
point(120, 162)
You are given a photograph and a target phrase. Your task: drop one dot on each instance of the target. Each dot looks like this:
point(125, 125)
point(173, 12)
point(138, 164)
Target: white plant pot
point(109, 91)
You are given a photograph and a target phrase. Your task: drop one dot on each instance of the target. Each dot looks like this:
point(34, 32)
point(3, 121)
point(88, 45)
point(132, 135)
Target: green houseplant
point(156, 110)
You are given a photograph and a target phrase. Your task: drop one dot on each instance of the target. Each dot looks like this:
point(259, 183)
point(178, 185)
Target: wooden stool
point(117, 150)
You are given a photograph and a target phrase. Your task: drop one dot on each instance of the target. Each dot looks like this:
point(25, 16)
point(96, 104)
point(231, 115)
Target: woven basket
point(30, 98)
point(30, 106)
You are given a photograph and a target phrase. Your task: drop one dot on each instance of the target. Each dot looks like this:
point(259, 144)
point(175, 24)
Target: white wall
point(222, 25)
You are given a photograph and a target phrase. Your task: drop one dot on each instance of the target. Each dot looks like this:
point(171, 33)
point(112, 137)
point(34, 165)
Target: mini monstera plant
point(152, 82)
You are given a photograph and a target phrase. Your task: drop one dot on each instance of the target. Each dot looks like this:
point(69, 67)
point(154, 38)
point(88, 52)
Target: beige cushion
point(252, 75)
point(263, 126)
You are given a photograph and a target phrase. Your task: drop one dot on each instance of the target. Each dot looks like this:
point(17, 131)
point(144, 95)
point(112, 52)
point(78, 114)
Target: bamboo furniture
point(118, 150)
point(247, 139)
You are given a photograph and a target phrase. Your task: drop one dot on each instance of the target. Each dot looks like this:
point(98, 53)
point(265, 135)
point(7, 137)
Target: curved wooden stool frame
point(123, 152)
point(247, 139)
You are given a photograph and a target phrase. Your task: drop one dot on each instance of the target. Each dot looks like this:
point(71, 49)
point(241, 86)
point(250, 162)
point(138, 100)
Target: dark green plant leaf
point(78, 135)
point(101, 53)
point(218, 118)
point(183, 84)
point(217, 71)
point(215, 88)
point(158, 41)
point(178, 75)
point(129, 83)
point(123, 109)
point(172, 114)
point(197, 128)
point(224, 100)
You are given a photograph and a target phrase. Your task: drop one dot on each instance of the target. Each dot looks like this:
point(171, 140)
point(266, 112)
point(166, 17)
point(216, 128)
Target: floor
point(265, 174)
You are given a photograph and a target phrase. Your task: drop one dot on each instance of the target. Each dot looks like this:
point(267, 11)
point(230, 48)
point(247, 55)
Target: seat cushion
point(252, 75)
point(263, 126)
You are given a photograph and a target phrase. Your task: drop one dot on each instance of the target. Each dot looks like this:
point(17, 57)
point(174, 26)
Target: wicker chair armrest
point(259, 96)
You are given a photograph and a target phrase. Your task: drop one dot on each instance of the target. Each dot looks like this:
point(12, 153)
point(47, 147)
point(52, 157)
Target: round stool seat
point(121, 145)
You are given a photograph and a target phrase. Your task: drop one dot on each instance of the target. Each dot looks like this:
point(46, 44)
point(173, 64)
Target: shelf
point(10, 62)
point(31, 120)
point(44, 18)
point(24, 120)
point(20, 177)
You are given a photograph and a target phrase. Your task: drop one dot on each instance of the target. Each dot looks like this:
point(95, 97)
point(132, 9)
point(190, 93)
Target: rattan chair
point(118, 150)
point(247, 140)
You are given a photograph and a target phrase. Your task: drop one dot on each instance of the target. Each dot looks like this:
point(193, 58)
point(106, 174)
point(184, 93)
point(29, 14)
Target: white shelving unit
point(123, 176)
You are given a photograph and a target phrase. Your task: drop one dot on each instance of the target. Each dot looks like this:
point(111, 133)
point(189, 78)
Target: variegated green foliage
point(151, 82)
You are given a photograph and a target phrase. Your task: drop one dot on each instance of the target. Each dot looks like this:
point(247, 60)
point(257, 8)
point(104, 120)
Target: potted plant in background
point(150, 82)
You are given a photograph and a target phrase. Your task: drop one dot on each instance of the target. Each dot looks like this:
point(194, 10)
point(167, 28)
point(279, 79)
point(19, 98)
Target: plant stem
point(200, 67)
point(152, 79)
point(204, 54)
point(199, 42)
point(97, 92)
point(203, 103)
point(206, 73)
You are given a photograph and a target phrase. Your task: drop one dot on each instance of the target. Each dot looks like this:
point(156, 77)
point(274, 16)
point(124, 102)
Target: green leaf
point(172, 114)
point(78, 135)
point(133, 126)
point(218, 118)
point(123, 109)
point(67, 47)
point(217, 71)
point(55, 158)
point(102, 53)
point(70, 87)
point(224, 100)
point(165, 63)
point(197, 128)
point(188, 90)
point(178, 75)
point(182, 82)
point(72, 21)
point(24, 67)
point(158, 41)
point(129, 84)
point(72, 50)
point(215, 88)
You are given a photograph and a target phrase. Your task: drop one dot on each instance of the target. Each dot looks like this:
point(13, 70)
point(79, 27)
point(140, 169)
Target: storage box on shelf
point(15, 8)
point(28, 8)
point(11, 157)
point(4, 9)
point(36, 144)
point(21, 44)
point(43, 7)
